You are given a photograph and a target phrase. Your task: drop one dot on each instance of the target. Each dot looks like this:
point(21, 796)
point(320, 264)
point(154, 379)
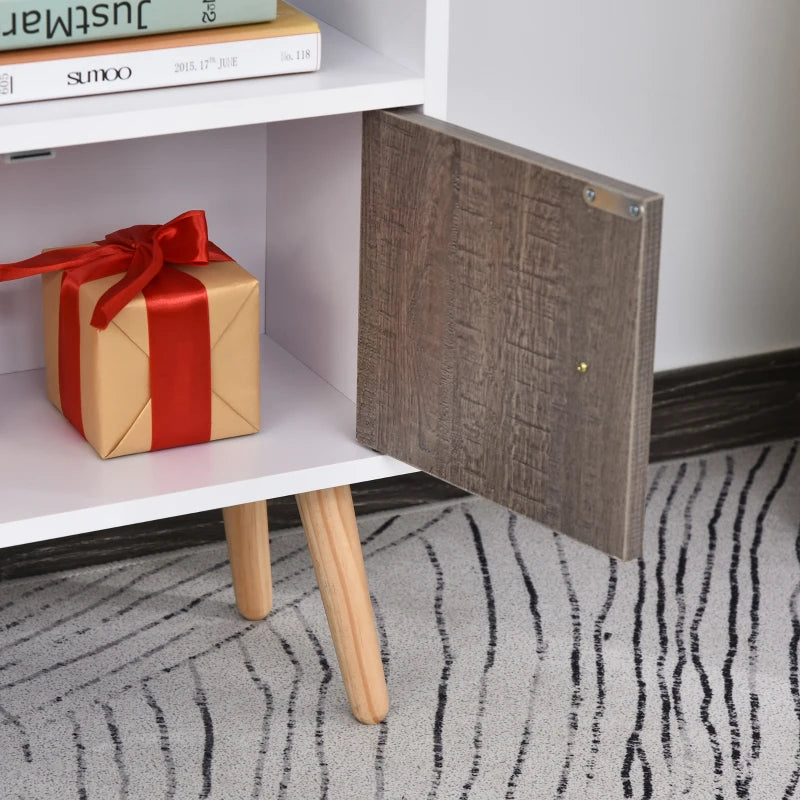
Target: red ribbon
point(177, 313)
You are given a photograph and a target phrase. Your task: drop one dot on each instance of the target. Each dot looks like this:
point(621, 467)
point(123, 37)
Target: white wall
point(699, 101)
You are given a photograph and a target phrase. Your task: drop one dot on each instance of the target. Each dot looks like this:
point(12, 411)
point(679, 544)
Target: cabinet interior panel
point(53, 484)
point(313, 218)
point(487, 279)
point(85, 192)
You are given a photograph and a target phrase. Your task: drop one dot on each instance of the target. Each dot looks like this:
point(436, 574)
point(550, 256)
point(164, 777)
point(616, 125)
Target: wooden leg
point(248, 548)
point(330, 524)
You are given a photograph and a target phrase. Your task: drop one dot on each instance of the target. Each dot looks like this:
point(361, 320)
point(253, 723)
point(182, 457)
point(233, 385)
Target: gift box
point(151, 338)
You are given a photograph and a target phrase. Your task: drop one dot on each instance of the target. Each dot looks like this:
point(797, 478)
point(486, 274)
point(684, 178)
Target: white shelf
point(52, 484)
point(353, 78)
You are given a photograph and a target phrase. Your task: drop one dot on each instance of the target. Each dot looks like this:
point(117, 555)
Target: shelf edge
point(85, 520)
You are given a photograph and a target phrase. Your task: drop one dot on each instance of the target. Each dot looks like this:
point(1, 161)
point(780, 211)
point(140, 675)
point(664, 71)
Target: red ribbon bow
point(140, 251)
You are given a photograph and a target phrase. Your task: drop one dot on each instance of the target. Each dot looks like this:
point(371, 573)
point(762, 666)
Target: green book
point(28, 23)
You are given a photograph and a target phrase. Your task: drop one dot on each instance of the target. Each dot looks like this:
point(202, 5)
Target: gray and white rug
point(520, 664)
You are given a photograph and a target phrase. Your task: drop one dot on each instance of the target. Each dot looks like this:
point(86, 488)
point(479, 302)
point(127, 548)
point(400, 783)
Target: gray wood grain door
point(507, 315)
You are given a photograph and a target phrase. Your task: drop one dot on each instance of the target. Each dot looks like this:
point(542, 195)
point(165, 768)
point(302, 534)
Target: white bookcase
point(275, 162)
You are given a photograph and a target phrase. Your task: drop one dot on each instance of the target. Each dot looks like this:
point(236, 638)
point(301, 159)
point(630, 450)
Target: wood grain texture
point(247, 533)
point(485, 280)
point(329, 521)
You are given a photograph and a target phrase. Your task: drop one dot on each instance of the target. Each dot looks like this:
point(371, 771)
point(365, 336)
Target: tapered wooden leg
point(248, 548)
point(330, 524)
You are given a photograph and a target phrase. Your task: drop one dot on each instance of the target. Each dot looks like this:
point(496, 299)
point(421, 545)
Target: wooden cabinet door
point(506, 324)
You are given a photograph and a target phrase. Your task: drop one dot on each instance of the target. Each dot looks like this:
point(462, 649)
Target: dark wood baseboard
point(725, 405)
point(695, 410)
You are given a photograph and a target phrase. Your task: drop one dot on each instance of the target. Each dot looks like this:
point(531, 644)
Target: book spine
point(40, 23)
point(150, 69)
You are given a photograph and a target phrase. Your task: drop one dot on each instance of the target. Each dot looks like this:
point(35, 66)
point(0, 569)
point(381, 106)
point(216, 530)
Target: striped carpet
point(520, 664)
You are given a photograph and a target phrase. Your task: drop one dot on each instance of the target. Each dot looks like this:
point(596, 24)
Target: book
point(42, 23)
point(291, 43)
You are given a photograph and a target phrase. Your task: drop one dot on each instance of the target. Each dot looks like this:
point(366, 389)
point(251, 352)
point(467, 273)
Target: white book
point(289, 44)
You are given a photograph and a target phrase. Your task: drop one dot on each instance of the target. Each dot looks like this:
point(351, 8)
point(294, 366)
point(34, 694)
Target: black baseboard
point(725, 405)
point(695, 410)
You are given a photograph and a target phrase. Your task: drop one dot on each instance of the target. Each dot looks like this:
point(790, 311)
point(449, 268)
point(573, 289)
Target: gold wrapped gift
point(115, 386)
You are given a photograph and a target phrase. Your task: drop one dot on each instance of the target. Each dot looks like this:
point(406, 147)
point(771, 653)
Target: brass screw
point(582, 367)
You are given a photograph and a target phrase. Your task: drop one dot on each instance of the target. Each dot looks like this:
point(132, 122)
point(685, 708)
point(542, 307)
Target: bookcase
point(277, 165)
point(275, 162)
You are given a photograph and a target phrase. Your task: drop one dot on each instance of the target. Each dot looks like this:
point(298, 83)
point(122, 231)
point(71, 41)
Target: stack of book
point(56, 48)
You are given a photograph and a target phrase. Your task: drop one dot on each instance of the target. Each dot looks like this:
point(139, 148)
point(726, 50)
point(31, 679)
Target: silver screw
point(635, 209)
point(590, 194)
